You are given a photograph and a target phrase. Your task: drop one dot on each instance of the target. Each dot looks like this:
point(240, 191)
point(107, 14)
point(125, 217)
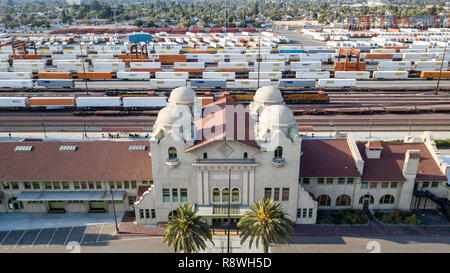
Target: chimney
point(373, 149)
point(412, 158)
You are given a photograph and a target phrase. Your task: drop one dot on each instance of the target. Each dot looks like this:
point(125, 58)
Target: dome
point(268, 95)
point(173, 115)
point(182, 96)
point(277, 115)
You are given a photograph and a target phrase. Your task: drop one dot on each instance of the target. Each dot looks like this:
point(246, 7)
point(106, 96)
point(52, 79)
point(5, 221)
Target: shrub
point(412, 220)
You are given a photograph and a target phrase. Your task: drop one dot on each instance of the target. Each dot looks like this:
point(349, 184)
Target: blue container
point(291, 51)
point(140, 37)
point(209, 83)
point(296, 83)
point(56, 83)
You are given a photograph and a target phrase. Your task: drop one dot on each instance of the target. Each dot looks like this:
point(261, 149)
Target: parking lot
point(53, 237)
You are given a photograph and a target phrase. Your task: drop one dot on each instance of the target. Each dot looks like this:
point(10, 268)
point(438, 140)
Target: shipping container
point(16, 83)
point(208, 83)
point(301, 66)
point(52, 102)
point(28, 66)
point(144, 102)
point(16, 75)
point(269, 66)
point(133, 75)
point(312, 75)
point(246, 83)
point(265, 75)
point(359, 75)
point(219, 75)
point(390, 75)
point(95, 75)
point(171, 75)
point(165, 83)
point(337, 83)
point(13, 102)
point(156, 66)
point(56, 83)
point(304, 83)
point(435, 74)
point(98, 102)
point(55, 75)
point(170, 58)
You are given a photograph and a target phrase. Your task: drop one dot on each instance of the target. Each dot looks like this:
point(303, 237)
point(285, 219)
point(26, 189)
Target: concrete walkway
point(38, 220)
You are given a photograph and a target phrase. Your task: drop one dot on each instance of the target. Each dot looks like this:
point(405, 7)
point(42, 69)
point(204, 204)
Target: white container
point(96, 102)
point(165, 83)
point(270, 66)
point(312, 75)
point(171, 75)
point(418, 56)
point(210, 58)
point(323, 57)
point(275, 57)
point(145, 65)
point(188, 65)
point(390, 75)
point(28, 66)
point(16, 83)
point(13, 102)
point(245, 83)
point(71, 67)
point(265, 75)
point(16, 75)
point(296, 66)
point(101, 56)
point(336, 83)
point(219, 75)
point(232, 65)
point(133, 75)
point(144, 102)
point(4, 57)
point(359, 75)
point(394, 66)
point(64, 57)
point(167, 52)
point(4, 67)
point(108, 67)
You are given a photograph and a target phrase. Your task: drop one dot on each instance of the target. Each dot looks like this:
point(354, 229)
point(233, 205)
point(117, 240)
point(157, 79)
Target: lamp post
point(114, 210)
point(229, 208)
point(370, 131)
point(43, 128)
point(440, 70)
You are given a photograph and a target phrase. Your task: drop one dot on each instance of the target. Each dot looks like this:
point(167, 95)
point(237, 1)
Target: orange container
point(189, 70)
point(378, 56)
point(199, 51)
point(128, 56)
point(397, 48)
point(127, 61)
point(170, 59)
point(95, 75)
point(435, 75)
point(55, 75)
point(339, 66)
point(52, 101)
point(205, 100)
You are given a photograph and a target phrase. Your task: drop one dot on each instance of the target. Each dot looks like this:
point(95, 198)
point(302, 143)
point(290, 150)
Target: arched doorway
point(366, 200)
point(15, 205)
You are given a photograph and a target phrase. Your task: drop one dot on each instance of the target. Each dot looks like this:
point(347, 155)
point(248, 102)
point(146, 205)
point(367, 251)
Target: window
point(172, 153)
point(83, 185)
point(324, 200)
point(350, 180)
point(320, 180)
point(387, 199)
point(299, 213)
point(245, 155)
point(393, 184)
point(434, 184)
point(133, 185)
point(267, 193)
point(425, 184)
point(153, 213)
point(141, 213)
point(174, 195)
point(364, 185)
point(166, 195)
point(304, 213)
point(285, 196)
point(384, 185)
point(235, 195)
point(65, 185)
point(48, 185)
point(310, 213)
point(147, 213)
point(343, 201)
point(373, 185)
point(225, 195)
point(216, 195)
point(126, 184)
point(341, 181)
point(36, 186)
point(183, 195)
point(278, 154)
point(15, 185)
point(366, 197)
point(329, 181)
point(131, 200)
point(205, 155)
point(5, 185)
point(119, 185)
point(91, 185)
point(27, 185)
point(276, 194)
point(98, 185)
point(56, 185)
point(112, 185)
point(306, 180)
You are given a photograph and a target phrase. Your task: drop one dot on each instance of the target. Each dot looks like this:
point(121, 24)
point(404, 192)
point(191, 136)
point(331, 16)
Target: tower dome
point(182, 96)
point(278, 116)
point(173, 115)
point(268, 95)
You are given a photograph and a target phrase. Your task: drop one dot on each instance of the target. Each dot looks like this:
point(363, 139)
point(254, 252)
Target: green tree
point(186, 231)
point(265, 222)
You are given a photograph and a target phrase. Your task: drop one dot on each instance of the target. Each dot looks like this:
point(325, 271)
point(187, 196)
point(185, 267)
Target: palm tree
point(266, 222)
point(187, 231)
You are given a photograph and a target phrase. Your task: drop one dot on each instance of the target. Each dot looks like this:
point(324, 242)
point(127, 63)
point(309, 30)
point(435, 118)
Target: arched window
point(343, 200)
point(205, 155)
point(235, 195)
point(216, 195)
point(324, 200)
point(387, 199)
point(172, 153)
point(225, 194)
point(245, 155)
point(278, 152)
point(367, 198)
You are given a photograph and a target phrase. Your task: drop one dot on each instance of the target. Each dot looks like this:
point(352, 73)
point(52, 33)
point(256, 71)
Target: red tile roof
point(374, 145)
point(327, 158)
point(389, 166)
point(92, 160)
point(234, 125)
point(141, 191)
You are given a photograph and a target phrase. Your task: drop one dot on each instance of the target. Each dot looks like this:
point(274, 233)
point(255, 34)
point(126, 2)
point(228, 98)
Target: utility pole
point(229, 208)
point(436, 91)
point(84, 70)
point(259, 58)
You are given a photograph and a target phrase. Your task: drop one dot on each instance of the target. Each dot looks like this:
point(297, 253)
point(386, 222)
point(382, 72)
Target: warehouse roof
point(90, 160)
point(327, 158)
point(389, 167)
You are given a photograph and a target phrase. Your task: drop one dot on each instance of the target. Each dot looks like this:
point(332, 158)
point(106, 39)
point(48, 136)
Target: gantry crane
point(348, 65)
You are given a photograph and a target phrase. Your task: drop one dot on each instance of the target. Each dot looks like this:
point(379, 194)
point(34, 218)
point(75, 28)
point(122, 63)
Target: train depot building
point(200, 154)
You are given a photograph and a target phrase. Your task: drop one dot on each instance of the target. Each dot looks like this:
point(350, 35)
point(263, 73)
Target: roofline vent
point(23, 148)
point(67, 148)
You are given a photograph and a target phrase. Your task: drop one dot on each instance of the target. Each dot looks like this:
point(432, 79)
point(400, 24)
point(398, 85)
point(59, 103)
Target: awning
point(68, 195)
point(221, 211)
